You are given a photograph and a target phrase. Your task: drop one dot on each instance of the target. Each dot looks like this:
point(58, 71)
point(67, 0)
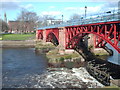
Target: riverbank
point(56, 59)
point(15, 44)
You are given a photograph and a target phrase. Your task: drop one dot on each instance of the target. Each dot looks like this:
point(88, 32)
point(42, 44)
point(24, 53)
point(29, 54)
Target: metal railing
point(96, 19)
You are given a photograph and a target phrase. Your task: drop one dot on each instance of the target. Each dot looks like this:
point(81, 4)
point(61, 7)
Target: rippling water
point(21, 67)
point(20, 63)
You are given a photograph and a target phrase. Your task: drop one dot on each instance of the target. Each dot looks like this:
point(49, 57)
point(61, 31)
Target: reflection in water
point(19, 63)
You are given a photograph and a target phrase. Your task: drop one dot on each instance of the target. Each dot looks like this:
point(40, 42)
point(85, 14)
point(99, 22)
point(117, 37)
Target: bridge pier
point(36, 35)
point(91, 46)
point(62, 38)
point(44, 34)
point(62, 42)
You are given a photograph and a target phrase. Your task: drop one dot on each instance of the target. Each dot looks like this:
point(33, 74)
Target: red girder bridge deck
point(69, 36)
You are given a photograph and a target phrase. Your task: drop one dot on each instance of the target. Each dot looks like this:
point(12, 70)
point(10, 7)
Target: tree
point(3, 26)
point(43, 20)
point(75, 16)
point(28, 16)
point(27, 20)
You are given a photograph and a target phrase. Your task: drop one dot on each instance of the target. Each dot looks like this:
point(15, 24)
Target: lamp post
point(86, 37)
point(107, 17)
point(113, 13)
point(62, 18)
point(85, 10)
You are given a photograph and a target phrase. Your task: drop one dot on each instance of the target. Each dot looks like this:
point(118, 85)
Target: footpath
point(11, 44)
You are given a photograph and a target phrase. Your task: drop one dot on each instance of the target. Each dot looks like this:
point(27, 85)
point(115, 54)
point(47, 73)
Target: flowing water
point(20, 63)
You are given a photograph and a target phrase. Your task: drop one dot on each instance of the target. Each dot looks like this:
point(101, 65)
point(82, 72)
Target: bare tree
point(27, 20)
point(75, 16)
point(3, 26)
point(43, 20)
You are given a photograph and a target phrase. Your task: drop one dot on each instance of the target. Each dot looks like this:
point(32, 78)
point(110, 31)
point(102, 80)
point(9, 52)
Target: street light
point(85, 10)
point(62, 18)
point(86, 37)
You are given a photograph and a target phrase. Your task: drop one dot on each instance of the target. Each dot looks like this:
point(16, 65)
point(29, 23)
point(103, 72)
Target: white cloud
point(10, 0)
point(81, 10)
point(28, 6)
point(51, 7)
point(13, 5)
point(9, 5)
point(53, 13)
point(71, 8)
point(108, 6)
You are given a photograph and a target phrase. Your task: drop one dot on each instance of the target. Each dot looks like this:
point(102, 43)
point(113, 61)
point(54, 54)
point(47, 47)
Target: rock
point(66, 78)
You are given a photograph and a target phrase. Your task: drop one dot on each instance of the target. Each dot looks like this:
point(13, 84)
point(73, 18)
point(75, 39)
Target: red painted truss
point(107, 32)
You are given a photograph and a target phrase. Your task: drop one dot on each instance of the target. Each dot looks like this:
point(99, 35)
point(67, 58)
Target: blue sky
point(57, 9)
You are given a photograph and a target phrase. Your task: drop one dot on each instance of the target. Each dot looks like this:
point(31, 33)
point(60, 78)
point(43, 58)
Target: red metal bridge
point(70, 35)
point(106, 29)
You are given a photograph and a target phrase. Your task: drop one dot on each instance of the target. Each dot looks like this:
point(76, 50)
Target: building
point(53, 22)
point(20, 26)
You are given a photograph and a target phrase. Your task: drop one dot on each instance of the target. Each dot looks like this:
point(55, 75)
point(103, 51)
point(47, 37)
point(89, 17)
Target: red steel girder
point(108, 32)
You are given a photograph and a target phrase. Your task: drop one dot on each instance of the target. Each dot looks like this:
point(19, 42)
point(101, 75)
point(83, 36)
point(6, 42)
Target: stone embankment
point(11, 44)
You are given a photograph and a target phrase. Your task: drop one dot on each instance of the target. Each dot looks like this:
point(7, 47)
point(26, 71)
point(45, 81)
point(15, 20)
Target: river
point(20, 63)
point(23, 67)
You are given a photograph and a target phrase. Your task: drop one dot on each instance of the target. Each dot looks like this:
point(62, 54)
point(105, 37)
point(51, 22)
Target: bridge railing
point(96, 19)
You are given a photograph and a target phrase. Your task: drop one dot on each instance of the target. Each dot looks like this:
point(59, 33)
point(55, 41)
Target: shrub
point(61, 59)
point(68, 57)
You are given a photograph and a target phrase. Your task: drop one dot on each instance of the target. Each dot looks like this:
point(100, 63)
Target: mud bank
point(11, 44)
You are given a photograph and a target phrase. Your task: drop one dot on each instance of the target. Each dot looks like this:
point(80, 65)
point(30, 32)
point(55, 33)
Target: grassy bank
point(43, 47)
point(18, 37)
point(55, 54)
point(52, 53)
point(55, 57)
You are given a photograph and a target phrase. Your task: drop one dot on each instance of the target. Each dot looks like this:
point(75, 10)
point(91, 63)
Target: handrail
point(104, 18)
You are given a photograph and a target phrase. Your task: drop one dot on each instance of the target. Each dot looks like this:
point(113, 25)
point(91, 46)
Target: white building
point(53, 22)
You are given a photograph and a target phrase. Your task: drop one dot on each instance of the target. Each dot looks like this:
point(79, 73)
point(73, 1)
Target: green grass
point(54, 55)
point(41, 46)
point(18, 36)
